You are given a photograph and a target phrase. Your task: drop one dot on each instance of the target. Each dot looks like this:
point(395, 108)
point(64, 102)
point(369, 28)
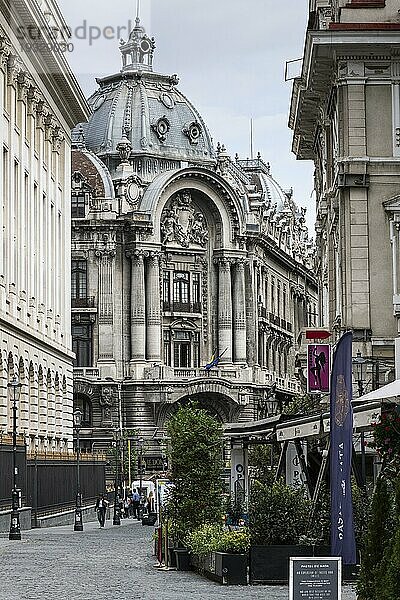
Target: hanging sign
point(318, 368)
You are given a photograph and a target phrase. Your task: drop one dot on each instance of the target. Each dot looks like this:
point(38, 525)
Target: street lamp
point(15, 528)
point(360, 371)
point(78, 524)
point(360, 367)
point(117, 512)
point(140, 459)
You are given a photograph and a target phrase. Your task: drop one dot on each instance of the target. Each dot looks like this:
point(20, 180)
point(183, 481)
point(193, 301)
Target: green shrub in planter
point(214, 538)
point(278, 514)
point(204, 539)
point(234, 542)
point(195, 452)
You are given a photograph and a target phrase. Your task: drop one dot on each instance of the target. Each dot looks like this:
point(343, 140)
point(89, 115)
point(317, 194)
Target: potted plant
point(380, 564)
point(195, 453)
point(220, 553)
point(278, 520)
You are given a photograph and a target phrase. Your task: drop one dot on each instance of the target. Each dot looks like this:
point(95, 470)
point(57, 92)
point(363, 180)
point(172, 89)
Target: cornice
point(50, 68)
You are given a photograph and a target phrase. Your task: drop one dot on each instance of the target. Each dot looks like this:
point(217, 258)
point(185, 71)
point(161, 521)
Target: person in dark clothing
point(101, 509)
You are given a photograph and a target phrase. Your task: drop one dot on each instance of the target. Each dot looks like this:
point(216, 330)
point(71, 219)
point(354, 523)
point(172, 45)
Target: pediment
point(393, 204)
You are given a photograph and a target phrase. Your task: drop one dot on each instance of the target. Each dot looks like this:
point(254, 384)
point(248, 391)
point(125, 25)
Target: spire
point(137, 52)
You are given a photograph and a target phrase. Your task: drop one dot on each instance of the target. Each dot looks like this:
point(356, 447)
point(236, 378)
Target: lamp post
point(78, 524)
point(360, 369)
point(140, 459)
point(360, 366)
point(117, 514)
point(15, 528)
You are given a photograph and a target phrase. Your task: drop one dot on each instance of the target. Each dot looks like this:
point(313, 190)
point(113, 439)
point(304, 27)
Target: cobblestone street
point(102, 564)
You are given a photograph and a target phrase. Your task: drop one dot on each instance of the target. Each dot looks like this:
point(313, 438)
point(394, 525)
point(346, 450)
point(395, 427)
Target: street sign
point(315, 578)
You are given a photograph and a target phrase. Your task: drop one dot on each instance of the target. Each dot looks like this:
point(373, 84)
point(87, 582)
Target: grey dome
point(145, 111)
point(152, 113)
point(274, 194)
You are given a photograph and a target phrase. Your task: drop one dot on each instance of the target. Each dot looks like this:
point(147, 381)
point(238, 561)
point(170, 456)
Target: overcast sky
point(230, 56)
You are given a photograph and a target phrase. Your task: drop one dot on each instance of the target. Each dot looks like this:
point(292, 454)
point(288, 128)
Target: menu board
point(316, 578)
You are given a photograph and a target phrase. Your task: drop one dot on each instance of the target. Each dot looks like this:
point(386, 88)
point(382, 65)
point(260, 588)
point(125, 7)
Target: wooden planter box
point(270, 564)
point(224, 568)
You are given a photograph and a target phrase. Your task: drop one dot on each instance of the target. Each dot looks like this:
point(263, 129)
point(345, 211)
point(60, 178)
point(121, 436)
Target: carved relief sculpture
point(181, 224)
point(106, 403)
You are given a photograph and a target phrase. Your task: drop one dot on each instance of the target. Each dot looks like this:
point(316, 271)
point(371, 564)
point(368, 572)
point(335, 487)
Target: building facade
point(345, 115)
point(40, 101)
point(179, 254)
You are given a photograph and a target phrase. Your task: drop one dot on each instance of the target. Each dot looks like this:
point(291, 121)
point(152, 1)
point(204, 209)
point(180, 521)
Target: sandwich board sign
point(316, 578)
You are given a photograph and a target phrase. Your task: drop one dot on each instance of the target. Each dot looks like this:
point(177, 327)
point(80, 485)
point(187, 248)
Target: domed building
point(182, 257)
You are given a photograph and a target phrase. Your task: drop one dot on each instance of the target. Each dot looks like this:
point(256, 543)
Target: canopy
point(387, 391)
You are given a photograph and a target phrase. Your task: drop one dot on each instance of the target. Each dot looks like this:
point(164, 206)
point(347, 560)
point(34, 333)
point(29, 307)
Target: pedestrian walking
point(127, 503)
point(101, 509)
point(135, 503)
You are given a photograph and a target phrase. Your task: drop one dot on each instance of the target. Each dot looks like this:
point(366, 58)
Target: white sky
point(230, 56)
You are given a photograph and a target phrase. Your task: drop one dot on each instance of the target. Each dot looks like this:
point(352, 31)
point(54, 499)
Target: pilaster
point(239, 312)
point(138, 309)
point(225, 309)
point(153, 308)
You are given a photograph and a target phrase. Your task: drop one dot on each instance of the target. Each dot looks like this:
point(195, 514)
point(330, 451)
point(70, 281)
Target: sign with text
point(316, 578)
point(318, 368)
point(294, 474)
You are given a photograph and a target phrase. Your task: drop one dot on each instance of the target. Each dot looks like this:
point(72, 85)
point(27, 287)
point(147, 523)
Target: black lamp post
point(360, 370)
point(140, 459)
point(78, 524)
point(15, 528)
point(360, 366)
point(117, 512)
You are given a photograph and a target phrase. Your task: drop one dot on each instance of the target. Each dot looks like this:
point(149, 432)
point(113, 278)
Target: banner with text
point(341, 429)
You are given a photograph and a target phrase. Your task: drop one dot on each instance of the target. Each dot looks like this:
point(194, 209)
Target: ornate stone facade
point(345, 117)
point(35, 228)
point(206, 252)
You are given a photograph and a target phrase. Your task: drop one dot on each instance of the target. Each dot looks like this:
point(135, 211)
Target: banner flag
point(341, 425)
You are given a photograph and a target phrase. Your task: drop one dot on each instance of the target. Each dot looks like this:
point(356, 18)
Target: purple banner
point(318, 367)
point(342, 527)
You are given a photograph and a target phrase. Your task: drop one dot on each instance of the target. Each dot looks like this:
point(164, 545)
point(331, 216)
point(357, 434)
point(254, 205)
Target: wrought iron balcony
point(88, 302)
point(182, 307)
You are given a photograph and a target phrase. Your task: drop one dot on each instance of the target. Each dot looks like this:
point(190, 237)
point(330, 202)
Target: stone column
point(225, 309)
point(106, 304)
point(138, 311)
point(239, 313)
point(153, 309)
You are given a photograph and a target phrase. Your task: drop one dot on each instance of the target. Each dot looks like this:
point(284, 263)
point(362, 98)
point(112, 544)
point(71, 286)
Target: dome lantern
point(137, 52)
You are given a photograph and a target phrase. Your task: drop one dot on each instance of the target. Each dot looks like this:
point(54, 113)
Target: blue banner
point(342, 527)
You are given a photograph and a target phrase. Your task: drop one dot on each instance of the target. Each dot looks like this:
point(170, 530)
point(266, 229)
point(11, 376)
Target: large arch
point(231, 207)
point(219, 406)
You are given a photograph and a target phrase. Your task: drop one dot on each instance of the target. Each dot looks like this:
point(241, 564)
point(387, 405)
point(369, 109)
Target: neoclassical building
point(40, 101)
point(179, 253)
point(345, 116)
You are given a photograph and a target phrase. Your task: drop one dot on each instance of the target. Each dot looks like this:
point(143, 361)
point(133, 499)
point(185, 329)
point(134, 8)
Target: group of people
point(129, 507)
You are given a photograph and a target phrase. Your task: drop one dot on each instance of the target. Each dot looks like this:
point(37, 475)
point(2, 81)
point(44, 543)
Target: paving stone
point(102, 564)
